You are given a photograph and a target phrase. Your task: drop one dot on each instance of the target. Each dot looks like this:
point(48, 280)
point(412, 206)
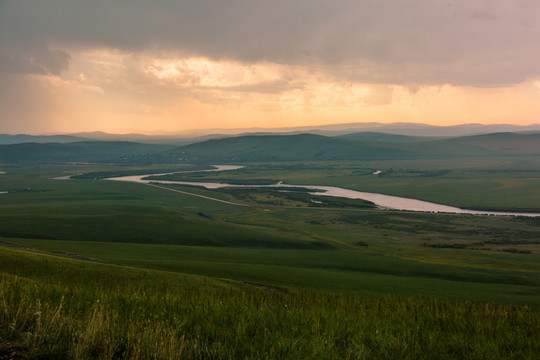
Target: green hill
point(84, 151)
point(382, 137)
point(504, 142)
point(58, 308)
point(265, 148)
point(309, 147)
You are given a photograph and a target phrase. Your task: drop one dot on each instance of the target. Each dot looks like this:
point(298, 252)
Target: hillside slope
point(264, 148)
point(504, 142)
point(58, 308)
point(383, 137)
point(309, 147)
point(85, 151)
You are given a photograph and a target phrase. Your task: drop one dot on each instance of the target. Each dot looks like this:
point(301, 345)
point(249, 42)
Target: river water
point(383, 201)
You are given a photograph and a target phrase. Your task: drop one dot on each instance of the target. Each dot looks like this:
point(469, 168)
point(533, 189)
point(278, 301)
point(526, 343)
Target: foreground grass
point(358, 272)
point(69, 309)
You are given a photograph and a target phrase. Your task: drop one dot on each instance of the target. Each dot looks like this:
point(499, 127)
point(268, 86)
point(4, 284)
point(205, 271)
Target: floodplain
point(279, 247)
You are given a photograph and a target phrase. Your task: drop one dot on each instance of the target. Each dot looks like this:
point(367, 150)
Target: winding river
point(383, 201)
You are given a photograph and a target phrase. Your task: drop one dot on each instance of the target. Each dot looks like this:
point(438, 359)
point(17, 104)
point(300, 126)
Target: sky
point(167, 66)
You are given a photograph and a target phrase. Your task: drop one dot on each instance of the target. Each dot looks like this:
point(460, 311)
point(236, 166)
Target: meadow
point(203, 279)
point(55, 308)
point(495, 183)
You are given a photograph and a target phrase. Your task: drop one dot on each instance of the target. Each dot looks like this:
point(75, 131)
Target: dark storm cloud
point(37, 59)
point(484, 43)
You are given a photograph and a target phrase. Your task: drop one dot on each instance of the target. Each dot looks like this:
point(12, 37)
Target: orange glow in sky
point(119, 93)
point(173, 66)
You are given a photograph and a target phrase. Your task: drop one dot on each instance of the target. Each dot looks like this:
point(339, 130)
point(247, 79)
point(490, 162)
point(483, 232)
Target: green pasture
point(357, 251)
point(494, 183)
point(58, 308)
point(110, 269)
point(354, 272)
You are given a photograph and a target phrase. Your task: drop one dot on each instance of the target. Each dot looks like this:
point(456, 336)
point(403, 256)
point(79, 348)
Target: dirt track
point(201, 196)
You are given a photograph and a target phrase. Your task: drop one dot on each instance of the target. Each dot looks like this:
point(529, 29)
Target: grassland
point(354, 250)
point(488, 184)
point(54, 308)
point(333, 282)
point(80, 152)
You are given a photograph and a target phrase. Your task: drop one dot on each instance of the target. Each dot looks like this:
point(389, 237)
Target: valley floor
point(101, 269)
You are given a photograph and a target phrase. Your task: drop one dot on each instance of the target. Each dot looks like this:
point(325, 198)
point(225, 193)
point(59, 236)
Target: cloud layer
point(93, 63)
point(479, 43)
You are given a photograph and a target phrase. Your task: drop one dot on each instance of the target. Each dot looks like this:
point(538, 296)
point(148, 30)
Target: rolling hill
point(383, 137)
point(283, 148)
point(309, 147)
point(264, 148)
point(504, 142)
point(85, 151)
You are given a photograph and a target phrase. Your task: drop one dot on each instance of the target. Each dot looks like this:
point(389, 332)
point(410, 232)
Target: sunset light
point(270, 179)
point(430, 62)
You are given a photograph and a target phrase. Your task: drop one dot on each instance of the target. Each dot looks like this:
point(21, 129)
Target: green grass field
point(330, 249)
point(363, 283)
point(494, 183)
point(55, 308)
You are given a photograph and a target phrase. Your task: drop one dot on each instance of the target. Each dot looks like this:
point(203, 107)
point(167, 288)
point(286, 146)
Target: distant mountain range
point(345, 130)
point(6, 139)
point(412, 129)
point(261, 148)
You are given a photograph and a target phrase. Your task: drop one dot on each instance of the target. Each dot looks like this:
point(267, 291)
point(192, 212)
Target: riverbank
point(381, 200)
